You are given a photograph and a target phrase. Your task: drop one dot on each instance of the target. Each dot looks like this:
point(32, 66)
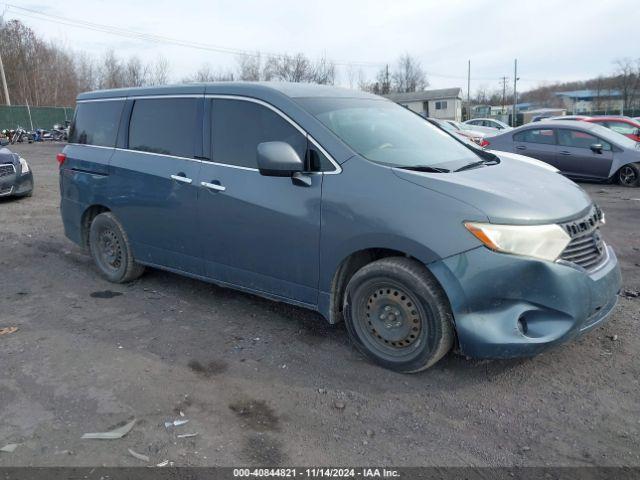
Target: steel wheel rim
point(110, 249)
point(390, 320)
point(627, 175)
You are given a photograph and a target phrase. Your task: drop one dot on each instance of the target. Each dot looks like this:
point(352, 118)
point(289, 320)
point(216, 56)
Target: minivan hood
point(511, 192)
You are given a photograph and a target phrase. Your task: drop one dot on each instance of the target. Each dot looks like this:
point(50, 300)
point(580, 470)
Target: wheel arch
point(354, 261)
point(88, 215)
point(615, 178)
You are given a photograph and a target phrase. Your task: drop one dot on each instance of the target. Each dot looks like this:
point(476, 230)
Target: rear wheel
point(111, 250)
point(397, 315)
point(629, 175)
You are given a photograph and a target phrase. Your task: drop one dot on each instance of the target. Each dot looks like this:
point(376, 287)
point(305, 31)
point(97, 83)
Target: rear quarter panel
point(84, 181)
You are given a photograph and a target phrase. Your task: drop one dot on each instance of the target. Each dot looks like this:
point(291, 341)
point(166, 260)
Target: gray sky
point(553, 40)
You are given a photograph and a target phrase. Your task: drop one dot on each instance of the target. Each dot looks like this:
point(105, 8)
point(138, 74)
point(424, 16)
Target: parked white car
point(486, 123)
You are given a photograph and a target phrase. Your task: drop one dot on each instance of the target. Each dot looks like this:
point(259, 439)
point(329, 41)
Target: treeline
point(42, 73)
point(625, 78)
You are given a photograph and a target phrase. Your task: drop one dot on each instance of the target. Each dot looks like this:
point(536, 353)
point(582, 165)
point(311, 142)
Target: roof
point(561, 123)
point(584, 94)
point(613, 118)
point(257, 89)
point(424, 95)
point(547, 110)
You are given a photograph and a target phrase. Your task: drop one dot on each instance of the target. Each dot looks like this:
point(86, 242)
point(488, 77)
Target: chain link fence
point(32, 118)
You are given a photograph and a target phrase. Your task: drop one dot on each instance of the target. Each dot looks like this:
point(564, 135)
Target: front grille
point(7, 169)
point(586, 248)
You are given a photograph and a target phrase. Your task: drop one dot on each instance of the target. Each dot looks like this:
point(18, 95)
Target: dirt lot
point(266, 383)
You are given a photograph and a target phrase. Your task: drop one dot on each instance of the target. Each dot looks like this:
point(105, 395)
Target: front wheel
point(397, 314)
point(629, 175)
point(111, 250)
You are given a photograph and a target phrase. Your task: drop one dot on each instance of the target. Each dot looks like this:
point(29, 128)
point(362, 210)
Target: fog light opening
point(522, 325)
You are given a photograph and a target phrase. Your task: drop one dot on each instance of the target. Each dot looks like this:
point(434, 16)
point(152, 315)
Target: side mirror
point(596, 148)
point(278, 159)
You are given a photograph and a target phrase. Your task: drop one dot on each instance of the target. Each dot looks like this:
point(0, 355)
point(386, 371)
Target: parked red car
point(624, 125)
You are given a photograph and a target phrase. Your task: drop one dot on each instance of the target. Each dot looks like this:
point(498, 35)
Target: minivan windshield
point(386, 133)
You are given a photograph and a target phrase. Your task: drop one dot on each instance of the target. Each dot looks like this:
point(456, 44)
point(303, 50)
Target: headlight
point(24, 165)
point(540, 241)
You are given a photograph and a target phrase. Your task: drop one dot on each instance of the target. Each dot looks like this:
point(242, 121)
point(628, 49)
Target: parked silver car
point(579, 150)
point(488, 123)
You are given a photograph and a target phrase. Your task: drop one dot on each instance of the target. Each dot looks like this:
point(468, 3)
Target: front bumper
point(509, 306)
point(17, 184)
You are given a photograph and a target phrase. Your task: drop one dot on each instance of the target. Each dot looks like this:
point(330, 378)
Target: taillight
point(484, 143)
point(61, 157)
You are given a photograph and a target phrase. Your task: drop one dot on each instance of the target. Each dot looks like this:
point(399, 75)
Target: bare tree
point(86, 75)
point(628, 81)
point(352, 75)
point(323, 71)
point(159, 72)
point(250, 67)
point(205, 74)
point(383, 81)
point(111, 71)
point(409, 75)
point(286, 68)
point(135, 73)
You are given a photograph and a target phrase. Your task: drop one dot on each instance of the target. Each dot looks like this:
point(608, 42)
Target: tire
point(397, 315)
point(111, 250)
point(629, 175)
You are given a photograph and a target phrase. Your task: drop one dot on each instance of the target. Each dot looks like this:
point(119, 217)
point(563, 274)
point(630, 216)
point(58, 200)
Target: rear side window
point(578, 139)
point(540, 135)
point(238, 127)
point(96, 123)
point(164, 125)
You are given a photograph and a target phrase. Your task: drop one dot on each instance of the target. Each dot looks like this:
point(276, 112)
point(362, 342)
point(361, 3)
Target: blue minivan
point(341, 202)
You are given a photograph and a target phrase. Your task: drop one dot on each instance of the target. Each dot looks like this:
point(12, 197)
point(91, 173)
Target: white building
point(444, 103)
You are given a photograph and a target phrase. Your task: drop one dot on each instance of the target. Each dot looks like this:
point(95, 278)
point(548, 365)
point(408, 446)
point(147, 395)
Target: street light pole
point(4, 82)
point(469, 90)
point(515, 93)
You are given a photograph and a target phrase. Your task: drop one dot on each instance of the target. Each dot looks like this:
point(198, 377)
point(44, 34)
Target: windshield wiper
point(425, 168)
point(469, 166)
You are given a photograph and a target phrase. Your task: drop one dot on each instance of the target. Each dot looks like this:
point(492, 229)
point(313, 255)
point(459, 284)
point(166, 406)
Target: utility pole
point(29, 112)
point(515, 93)
point(4, 82)
point(387, 82)
point(504, 90)
point(469, 90)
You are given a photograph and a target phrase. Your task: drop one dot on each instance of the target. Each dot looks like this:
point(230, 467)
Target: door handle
point(564, 152)
point(181, 178)
point(521, 147)
point(213, 186)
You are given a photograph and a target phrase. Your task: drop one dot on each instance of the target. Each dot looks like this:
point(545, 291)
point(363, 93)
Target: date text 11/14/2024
point(316, 472)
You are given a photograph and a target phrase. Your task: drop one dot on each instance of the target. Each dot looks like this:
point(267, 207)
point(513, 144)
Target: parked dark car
point(580, 150)
point(538, 118)
point(341, 202)
point(16, 178)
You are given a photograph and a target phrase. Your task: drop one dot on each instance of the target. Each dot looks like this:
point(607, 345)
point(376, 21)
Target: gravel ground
point(266, 383)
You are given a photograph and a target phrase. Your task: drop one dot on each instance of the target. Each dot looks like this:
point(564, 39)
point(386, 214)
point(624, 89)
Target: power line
point(154, 38)
point(162, 39)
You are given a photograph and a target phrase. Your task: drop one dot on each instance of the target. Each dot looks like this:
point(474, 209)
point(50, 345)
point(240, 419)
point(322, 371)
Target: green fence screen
point(41, 117)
